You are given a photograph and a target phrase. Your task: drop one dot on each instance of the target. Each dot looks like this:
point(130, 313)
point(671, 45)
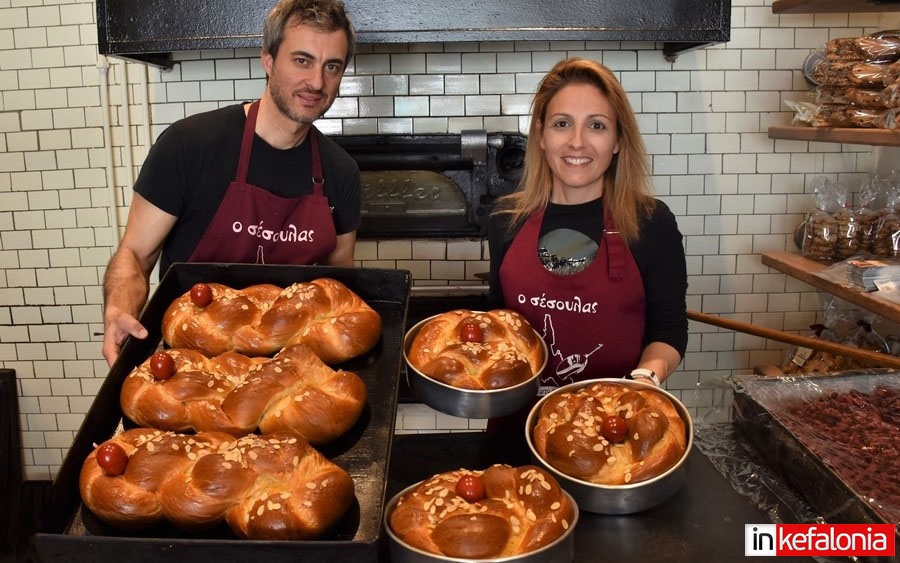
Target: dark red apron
point(253, 225)
point(592, 321)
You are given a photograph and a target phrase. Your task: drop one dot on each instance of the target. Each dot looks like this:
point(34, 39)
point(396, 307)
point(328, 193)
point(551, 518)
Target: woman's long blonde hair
point(626, 184)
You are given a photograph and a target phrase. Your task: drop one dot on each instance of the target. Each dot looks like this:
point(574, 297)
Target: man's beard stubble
point(283, 103)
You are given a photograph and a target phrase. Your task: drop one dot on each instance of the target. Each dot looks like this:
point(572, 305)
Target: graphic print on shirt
point(260, 259)
point(568, 365)
point(566, 251)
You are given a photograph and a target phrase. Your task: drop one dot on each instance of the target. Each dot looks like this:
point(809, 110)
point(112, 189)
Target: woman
point(582, 249)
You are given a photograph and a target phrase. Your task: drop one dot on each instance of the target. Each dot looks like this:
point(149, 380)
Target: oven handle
point(448, 290)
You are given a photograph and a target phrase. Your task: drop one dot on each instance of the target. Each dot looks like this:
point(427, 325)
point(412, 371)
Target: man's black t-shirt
point(193, 162)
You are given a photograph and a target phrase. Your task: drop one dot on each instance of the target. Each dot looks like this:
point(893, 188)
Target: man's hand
point(126, 283)
point(118, 326)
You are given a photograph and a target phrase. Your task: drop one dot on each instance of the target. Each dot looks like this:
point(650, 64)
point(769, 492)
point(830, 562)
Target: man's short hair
point(325, 15)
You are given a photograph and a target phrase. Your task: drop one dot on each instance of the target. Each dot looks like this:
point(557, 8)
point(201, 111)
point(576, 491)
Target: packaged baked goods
point(846, 242)
point(860, 73)
point(886, 232)
point(843, 115)
point(820, 237)
point(871, 200)
point(822, 228)
point(801, 359)
point(867, 338)
point(850, 95)
point(891, 73)
point(882, 46)
point(890, 96)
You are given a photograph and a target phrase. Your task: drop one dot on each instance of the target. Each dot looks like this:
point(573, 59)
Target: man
point(200, 197)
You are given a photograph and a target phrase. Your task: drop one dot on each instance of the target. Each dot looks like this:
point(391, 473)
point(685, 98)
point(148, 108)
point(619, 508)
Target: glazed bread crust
point(569, 436)
point(509, 352)
point(265, 487)
point(262, 319)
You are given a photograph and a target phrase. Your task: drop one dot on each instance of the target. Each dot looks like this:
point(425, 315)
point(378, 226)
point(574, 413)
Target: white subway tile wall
point(704, 118)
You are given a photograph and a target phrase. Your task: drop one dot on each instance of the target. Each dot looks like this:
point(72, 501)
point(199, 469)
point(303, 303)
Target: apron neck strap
point(247, 146)
point(317, 178)
point(615, 246)
point(247, 143)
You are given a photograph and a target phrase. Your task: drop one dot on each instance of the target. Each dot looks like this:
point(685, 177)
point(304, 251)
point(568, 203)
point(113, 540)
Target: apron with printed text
point(592, 321)
point(253, 225)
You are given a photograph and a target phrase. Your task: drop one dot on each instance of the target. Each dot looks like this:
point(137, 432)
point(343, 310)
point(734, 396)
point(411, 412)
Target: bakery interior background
point(704, 118)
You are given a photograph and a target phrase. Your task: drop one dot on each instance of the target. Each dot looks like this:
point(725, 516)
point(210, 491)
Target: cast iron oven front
point(70, 532)
point(406, 178)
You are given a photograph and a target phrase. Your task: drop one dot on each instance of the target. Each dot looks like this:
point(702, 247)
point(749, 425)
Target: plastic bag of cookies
point(850, 95)
point(845, 72)
point(822, 227)
point(886, 231)
point(876, 46)
point(843, 115)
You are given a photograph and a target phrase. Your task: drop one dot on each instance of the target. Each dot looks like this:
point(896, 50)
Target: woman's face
point(579, 140)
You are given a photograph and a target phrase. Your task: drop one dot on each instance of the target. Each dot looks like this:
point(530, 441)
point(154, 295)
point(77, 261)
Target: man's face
point(305, 75)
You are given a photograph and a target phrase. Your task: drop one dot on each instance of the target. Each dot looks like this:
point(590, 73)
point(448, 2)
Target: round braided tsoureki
point(523, 509)
point(262, 319)
point(477, 350)
point(272, 487)
point(569, 434)
point(294, 393)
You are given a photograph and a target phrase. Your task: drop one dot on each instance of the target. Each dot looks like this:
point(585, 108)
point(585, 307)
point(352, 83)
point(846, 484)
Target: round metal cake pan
point(469, 403)
point(562, 550)
point(617, 499)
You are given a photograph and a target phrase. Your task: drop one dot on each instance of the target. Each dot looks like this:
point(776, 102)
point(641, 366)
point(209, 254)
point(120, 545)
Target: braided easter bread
point(294, 393)
point(474, 350)
point(522, 509)
point(610, 434)
point(261, 319)
point(265, 487)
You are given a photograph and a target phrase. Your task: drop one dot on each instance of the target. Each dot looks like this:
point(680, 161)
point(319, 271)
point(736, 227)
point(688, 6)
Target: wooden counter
point(806, 270)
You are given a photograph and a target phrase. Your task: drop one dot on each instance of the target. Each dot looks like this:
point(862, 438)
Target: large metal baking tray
point(757, 404)
point(69, 532)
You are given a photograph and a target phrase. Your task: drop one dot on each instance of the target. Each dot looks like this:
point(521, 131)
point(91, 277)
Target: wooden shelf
point(884, 137)
point(832, 6)
point(806, 270)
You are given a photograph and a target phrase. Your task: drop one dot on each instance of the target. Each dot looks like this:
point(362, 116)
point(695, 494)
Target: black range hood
point(151, 30)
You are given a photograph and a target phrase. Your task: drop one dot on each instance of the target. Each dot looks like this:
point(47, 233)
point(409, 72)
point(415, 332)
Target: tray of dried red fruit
point(833, 437)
